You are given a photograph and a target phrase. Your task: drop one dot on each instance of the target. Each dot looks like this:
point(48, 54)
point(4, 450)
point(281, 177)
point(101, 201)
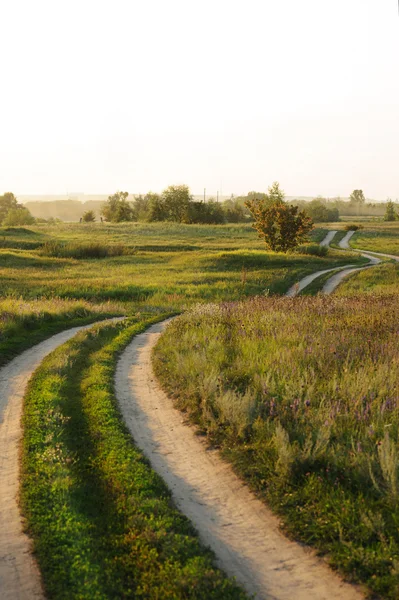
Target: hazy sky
point(100, 95)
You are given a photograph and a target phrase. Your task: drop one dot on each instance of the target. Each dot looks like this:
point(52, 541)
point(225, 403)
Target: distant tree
point(176, 199)
point(283, 227)
point(156, 207)
point(357, 197)
point(319, 212)
point(18, 216)
point(7, 202)
point(117, 208)
point(210, 212)
point(390, 212)
point(141, 206)
point(89, 216)
point(234, 211)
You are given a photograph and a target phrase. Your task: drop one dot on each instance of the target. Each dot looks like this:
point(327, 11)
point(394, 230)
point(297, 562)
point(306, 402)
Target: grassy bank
point(102, 521)
point(25, 323)
point(383, 279)
point(302, 397)
point(380, 237)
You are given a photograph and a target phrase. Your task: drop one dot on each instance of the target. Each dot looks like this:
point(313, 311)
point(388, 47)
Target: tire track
point(19, 574)
point(240, 529)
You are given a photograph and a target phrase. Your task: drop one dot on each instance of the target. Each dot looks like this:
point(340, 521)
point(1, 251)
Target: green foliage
point(282, 227)
point(7, 202)
point(320, 212)
point(17, 217)
point(89, 216)
point(357, 197)
point(103, 522)
point(176, 201)
point(302, 397)
point(390, 213)
point(117, 208)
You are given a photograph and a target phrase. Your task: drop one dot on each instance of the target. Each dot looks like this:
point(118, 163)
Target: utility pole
point(217, 196)
point(204, 194)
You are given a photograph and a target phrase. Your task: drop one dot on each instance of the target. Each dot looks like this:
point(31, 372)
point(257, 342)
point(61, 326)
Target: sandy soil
point(19, 575)
point(240, 529)
point(329, 238)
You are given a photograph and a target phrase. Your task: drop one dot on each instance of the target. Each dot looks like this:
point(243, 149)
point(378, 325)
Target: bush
point(88, 250)
point(18, 216)
point(353, 227)
point(312, 249)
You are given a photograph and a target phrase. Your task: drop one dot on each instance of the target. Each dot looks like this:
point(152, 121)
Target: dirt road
point(239, 528)
point(19, 575)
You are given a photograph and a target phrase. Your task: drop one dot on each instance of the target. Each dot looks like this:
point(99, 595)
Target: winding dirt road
point(19, 575)
point(303, 283)
point(239, 528)
point(336, 279)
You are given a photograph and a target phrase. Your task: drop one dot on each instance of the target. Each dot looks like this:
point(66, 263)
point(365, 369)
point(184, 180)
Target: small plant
point(353, 227)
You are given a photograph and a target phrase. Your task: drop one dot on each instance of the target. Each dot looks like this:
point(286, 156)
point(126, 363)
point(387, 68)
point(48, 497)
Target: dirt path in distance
point(303, 283)
point(240, 529)
point(19, 574)
point(334, 281)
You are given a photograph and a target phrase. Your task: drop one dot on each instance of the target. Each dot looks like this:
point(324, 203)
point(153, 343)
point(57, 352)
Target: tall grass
point(303, 397)
point(83, 249)
point(24, 323)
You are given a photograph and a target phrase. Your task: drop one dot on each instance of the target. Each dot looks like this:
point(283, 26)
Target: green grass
point(302, 397)
point(102, 521)
point(172, 265)
point(382, 279)
point(380, 237)
point(25, 323)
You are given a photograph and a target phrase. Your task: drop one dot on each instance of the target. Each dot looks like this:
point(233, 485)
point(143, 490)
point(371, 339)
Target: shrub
point(352, 227)
point(312, 249)
point(86, 250)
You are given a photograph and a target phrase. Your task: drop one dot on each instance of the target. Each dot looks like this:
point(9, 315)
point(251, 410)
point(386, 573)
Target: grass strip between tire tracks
point(102, 520)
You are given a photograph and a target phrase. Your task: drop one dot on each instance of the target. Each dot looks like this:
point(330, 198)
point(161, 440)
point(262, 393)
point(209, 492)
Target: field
point(302, 397)
point(160, 267)
point(380, 237)
point(299, 394)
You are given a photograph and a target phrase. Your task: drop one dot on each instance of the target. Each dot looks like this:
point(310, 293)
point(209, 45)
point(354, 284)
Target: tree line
point(177, 204)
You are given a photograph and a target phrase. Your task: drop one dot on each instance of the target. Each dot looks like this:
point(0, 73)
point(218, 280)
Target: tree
point(89, 216)
point(319, 212)
point(7, 202)
point(283, 227)
point(117, 208)
point(177, 199)
point(390, 213)
point(18, 216)
point(357, 197)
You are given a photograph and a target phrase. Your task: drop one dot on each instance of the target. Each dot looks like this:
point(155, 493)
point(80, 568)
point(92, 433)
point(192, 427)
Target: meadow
point(299, 394)
point(48, 276)
point(379, 236)
point(302, 397)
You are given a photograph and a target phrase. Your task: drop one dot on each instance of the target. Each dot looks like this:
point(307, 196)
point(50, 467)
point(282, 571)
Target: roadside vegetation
point(302, 397)
point(380, 237)
point(25, 323)
point(103, 523)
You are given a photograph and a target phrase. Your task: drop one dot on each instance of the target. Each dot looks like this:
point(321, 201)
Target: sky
point(100, 95)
